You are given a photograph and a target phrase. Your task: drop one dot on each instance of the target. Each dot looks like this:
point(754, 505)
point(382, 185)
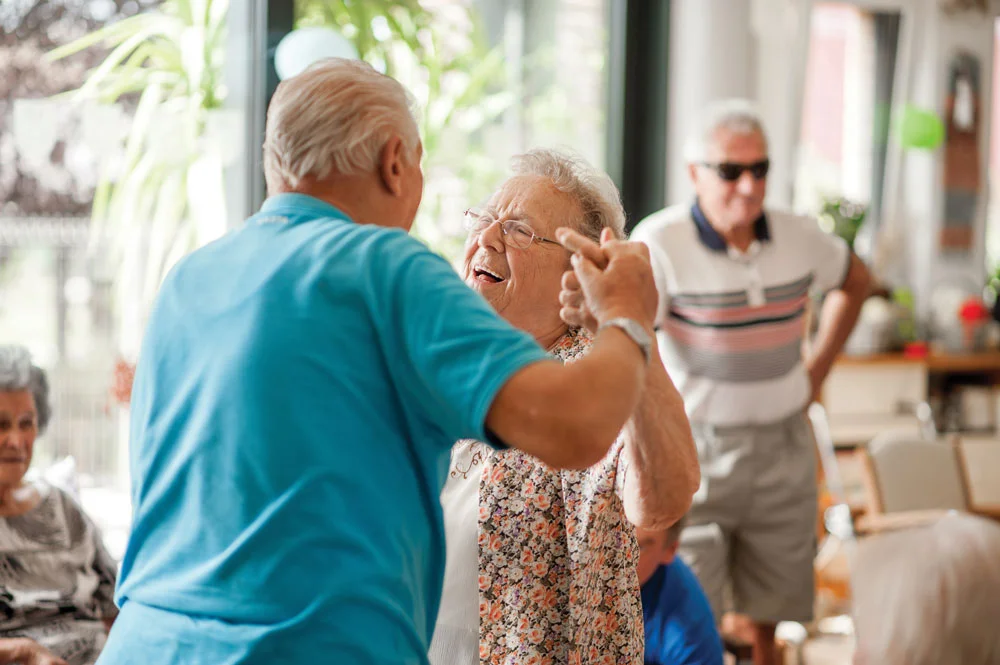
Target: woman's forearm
point(662, 472)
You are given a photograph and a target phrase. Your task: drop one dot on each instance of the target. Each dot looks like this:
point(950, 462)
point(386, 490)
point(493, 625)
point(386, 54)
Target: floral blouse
point(557, 558)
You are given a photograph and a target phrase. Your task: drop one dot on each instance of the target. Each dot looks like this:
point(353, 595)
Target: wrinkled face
point(18, 429)
point(654, 550)
point(731, 204)
point(522, 284)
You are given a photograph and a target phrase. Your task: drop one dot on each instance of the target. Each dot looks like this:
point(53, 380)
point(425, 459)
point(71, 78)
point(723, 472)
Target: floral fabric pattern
point(557, 558)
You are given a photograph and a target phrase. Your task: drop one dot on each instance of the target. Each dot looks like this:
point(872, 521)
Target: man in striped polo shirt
point(734, 281)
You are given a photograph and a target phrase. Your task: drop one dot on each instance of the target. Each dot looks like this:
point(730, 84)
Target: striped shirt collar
point(715, 242)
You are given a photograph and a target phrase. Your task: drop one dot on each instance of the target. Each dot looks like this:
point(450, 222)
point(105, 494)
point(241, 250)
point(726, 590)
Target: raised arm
point(661, 461)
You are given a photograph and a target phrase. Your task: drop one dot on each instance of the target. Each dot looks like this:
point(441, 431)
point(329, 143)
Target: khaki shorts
point(751, 532)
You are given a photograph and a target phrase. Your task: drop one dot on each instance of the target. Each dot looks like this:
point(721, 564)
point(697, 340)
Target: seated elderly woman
point(541, 564)
point(929, 595)
point(56, 579)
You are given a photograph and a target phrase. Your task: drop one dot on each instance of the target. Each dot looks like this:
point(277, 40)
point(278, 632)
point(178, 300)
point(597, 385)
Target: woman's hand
point(25, 651)
point(608, 280)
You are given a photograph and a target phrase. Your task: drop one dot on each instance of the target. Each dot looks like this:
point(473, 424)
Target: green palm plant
point(163, 197)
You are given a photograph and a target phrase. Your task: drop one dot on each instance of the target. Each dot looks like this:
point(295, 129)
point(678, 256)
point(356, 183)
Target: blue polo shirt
point(680, 627)
point(299, 388)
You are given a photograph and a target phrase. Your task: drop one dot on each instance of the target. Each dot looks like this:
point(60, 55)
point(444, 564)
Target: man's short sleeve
point(829, 254)
point(448, 350)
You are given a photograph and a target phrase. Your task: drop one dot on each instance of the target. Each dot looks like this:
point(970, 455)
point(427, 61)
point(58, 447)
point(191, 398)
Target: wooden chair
point(979, 460)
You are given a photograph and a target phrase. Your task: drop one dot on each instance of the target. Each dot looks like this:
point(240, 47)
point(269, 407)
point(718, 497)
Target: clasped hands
point(607, 280)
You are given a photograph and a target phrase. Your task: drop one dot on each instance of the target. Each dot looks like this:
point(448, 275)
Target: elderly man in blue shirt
point(678, 620)
point(300, 386)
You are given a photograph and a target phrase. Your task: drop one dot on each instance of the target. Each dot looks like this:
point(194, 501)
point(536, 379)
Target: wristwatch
point(635, 331)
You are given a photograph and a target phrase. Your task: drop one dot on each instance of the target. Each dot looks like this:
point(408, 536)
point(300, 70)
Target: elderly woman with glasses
point(56, 579)
point(541, 564)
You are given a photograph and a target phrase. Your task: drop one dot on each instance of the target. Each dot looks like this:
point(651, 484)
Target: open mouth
point(486, 276)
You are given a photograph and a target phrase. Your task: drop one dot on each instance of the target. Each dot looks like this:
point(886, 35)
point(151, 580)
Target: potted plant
point(842, 217)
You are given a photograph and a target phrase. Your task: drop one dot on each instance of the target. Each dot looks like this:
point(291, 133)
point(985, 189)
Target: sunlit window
point(492, 78)
point(848, 93)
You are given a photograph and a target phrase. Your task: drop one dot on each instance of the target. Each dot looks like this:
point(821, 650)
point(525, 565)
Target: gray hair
point(930, 595)
point(591, 188)
point(736, 115)
point(336, 116)
point(18, 373)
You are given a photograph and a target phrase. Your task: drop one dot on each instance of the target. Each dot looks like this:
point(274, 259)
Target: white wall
point(736, 48)
point(711, 58)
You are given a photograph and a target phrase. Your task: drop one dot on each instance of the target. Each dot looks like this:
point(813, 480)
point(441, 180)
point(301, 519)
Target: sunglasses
point(731, 171)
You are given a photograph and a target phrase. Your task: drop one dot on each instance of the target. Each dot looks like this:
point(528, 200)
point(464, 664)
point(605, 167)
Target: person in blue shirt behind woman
point(680, 626)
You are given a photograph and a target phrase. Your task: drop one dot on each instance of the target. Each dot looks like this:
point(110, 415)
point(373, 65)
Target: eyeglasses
point(731, 171)
point(516, 233)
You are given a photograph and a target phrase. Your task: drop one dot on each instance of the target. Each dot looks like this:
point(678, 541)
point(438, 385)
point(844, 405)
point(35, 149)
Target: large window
point(845, 119)
point(150, 153)
point(491, 77)
point(53, 299)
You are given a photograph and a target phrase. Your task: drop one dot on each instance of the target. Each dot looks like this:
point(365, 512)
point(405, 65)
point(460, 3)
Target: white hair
point(18, 373)
point(930, 595)
point(736, 115)
point(591, 188)
point(335, 117)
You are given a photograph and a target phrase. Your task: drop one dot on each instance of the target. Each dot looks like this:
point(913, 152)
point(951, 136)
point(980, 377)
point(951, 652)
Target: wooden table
point(984, 361)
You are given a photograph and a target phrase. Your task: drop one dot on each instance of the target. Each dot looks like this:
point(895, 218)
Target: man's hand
point(25, 651)
point(817, 375)
point(608, 280)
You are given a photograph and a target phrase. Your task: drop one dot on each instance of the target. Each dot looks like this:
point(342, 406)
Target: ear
point(693, 173)
point(390, 165)
point(670, 552)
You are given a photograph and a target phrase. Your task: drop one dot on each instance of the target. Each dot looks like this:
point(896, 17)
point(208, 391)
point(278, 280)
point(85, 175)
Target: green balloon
point(920, 128)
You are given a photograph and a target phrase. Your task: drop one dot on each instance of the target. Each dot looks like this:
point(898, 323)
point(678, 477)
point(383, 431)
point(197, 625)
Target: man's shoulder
point(684, 626)
point(667, 222)
point(382, 248)
point(786, 221)
point(680, 589)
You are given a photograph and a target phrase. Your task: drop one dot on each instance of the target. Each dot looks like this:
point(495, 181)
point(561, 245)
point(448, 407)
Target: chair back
point(908, 473)
point(980, 461)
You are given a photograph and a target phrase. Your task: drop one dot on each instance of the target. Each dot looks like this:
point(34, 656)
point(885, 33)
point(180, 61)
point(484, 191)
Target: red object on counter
point(916, 350)
point(973, 310)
